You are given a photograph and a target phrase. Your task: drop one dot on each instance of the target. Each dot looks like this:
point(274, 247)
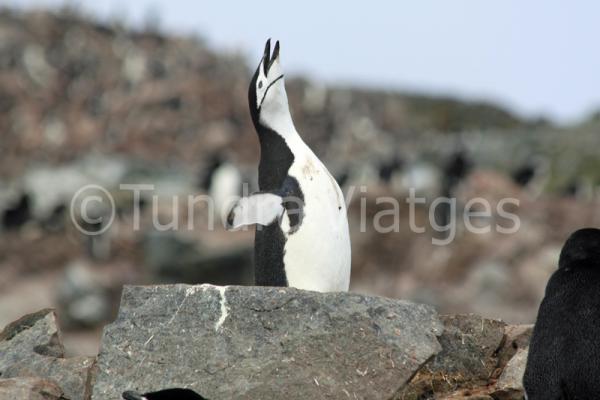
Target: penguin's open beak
point(268, 58)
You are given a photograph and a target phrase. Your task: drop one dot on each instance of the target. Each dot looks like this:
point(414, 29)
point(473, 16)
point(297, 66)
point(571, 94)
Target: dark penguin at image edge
point(167, 394)
point(564, 353)
point(302, 238)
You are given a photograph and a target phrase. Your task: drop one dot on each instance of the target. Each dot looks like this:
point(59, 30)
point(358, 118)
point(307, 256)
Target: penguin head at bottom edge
point(581, 250)
point(167, 394)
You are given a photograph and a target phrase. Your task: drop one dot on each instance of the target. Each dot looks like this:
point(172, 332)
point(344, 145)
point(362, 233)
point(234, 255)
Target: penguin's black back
point(564, 353)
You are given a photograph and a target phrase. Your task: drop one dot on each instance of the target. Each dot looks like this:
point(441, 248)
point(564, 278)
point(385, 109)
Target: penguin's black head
point(167, 394)
point(266, 94)
point(581, 250)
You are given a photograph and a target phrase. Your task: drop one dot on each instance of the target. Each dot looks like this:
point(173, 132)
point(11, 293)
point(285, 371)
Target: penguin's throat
point(275, 114)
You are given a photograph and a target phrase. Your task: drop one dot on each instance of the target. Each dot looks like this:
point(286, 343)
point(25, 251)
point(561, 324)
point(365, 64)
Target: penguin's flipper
point(259, 208)
point(131, 395)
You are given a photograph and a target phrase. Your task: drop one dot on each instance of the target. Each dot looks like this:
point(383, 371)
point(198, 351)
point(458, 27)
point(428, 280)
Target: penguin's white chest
point(317, 254)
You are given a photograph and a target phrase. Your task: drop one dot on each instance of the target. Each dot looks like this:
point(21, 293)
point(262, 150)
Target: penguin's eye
point(260, 84)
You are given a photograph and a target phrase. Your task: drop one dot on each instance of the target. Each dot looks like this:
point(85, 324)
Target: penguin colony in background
point(302, 238)
point(564, 353)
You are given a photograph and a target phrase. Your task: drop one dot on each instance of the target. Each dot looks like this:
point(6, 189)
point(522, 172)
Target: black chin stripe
point(267, 90)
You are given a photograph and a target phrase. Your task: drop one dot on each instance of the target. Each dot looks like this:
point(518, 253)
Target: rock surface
point(517, 338)
point(510, 383)
point(249, 343)
point(31, 347)
point(482, 359)
point(29, 389)
point(468, 358)
point(252, 342)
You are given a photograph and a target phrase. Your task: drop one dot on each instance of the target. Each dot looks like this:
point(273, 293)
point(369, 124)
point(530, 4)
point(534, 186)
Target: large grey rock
point(263, 343)
point(29, 389)
point(31, 347)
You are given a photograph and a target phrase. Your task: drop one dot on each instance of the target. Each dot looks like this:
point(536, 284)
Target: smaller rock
point(29, 388)
point(31, 347)
point(510, 384)
point(468, 358)
point(516, 337)
point(466, 394)
point(36, 332)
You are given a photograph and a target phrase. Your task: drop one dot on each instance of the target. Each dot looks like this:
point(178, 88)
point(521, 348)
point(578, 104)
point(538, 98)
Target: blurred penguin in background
point(532, 175)
point(454, 171)
point(388, 168)
point(564, 353)
point(17, 214)
point(222, 181)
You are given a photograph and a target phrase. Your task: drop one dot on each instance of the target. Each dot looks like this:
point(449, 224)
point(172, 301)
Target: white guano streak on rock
point(224, 308)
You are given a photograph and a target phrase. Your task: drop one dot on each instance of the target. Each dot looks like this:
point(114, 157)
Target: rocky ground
point(83, 102)
point(267, 343)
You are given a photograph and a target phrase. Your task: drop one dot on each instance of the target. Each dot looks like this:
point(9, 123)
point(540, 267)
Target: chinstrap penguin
point(564, 353)
point(223, 181)
point(302, 238)
point(167, 394)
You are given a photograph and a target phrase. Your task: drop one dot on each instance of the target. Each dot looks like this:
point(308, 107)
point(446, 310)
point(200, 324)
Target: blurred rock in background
point(84, 103)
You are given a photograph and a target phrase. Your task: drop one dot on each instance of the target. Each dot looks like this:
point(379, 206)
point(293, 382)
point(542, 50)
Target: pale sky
point(533, 56)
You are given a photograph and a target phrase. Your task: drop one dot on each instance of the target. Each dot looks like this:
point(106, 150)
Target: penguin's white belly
point(317, 255)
